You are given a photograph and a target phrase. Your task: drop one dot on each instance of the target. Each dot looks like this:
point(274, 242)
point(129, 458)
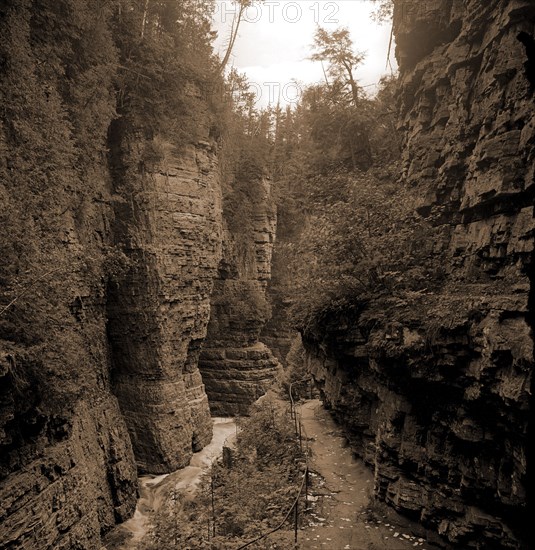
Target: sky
point(275, 41)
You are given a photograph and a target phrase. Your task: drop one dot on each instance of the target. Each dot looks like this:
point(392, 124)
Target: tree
point(336, 48)
point(339, 113)
point(384, 10)
point(242, 6)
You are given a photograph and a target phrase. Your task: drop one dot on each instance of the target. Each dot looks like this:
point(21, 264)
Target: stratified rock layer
point(110, 239)
point(236, 368)
point(171, 230)
point(79, 484)
point(435, 389)
point(67, 468)
point(278, 332)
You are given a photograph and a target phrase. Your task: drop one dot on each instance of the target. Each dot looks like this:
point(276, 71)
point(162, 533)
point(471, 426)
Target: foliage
point(296, 373)
point(384, 10)
point(354, 236)
point(165, 74)
point(258, 490)
point(336, 48)
point(243, 301)
point(250, 497)
point(364, 240)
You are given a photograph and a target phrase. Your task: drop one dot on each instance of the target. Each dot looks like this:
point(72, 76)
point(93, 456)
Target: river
point(154, 488)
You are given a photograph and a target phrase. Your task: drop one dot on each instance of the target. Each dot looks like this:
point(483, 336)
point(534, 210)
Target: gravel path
point(340, 518)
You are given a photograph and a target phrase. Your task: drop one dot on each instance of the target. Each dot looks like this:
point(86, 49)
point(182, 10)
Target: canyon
point(105, 383)
point(163, 298)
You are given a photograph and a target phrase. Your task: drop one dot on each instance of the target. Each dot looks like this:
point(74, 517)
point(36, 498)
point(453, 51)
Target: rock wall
point(435, 389)
point(72, 482)
point(236, 367)
point(278, 332)
point(170, 227)
point(73, 434)
point(110, 239)
point(67, 468)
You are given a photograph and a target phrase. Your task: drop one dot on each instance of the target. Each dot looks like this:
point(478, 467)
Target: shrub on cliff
point(354, 233)
point(363, 240)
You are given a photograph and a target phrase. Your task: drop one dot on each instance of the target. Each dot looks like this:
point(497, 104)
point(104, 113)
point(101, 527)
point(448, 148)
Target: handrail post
point(213, 502)
point(306, 488)
point(296, 517)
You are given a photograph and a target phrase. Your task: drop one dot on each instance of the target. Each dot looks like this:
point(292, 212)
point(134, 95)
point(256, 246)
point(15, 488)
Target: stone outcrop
point(278, 332)
point(122, 391)
point(67, 468)
point(111, 238)
point(170, 228)
point(80, 481)
point(236, 367)
point(434, 389)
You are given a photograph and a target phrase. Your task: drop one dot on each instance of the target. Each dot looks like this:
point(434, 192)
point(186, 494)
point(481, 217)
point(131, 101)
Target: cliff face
point(278, 332)
point(67, 469)
point(236, 367)
point(169, 225)
point(121, 386)
point(435, 389)
point(110, 240)
point(71, 481)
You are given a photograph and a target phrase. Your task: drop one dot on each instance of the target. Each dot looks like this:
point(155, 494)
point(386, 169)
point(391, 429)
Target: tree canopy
point(337, 50)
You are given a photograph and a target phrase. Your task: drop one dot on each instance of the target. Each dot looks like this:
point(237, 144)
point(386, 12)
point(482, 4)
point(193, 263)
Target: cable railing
point(299, 431)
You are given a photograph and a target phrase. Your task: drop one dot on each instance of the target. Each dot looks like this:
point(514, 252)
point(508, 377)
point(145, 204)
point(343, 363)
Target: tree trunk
point(233, 35)
point(144, 21)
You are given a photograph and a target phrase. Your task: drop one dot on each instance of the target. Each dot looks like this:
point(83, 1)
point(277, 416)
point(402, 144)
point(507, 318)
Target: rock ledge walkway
point(339, 518)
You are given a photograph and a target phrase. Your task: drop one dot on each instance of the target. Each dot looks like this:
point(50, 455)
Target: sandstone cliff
point(122, 386)
point(278, 333)
point(111, 237)
point(435, 389)
point(67, 468)
point(236, 366)
point(169, 224)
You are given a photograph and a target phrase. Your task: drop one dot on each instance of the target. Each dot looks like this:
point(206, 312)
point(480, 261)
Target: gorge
point(150, 244)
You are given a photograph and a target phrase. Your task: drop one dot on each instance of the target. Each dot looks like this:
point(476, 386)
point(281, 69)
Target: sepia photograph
point(266, 274)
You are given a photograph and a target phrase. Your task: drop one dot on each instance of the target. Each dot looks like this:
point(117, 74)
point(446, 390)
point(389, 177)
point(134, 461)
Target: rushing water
point(154, 488)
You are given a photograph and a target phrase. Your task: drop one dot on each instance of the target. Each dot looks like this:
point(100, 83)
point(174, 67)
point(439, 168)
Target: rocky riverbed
point(154, 489)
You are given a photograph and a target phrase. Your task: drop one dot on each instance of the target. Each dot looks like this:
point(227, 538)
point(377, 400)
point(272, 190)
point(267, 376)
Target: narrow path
point(340, 519)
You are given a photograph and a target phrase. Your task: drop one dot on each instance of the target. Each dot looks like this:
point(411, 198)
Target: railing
point(299, 431)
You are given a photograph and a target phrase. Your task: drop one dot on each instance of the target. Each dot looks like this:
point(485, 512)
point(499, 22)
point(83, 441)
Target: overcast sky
point(275, 38)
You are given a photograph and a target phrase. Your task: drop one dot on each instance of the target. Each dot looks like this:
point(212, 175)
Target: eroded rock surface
point(171, 230)
point(435, 389)
point(77, 484)
point(236, 367)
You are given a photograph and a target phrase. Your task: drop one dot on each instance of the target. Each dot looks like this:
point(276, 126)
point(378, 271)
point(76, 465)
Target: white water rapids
point(154, 488)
